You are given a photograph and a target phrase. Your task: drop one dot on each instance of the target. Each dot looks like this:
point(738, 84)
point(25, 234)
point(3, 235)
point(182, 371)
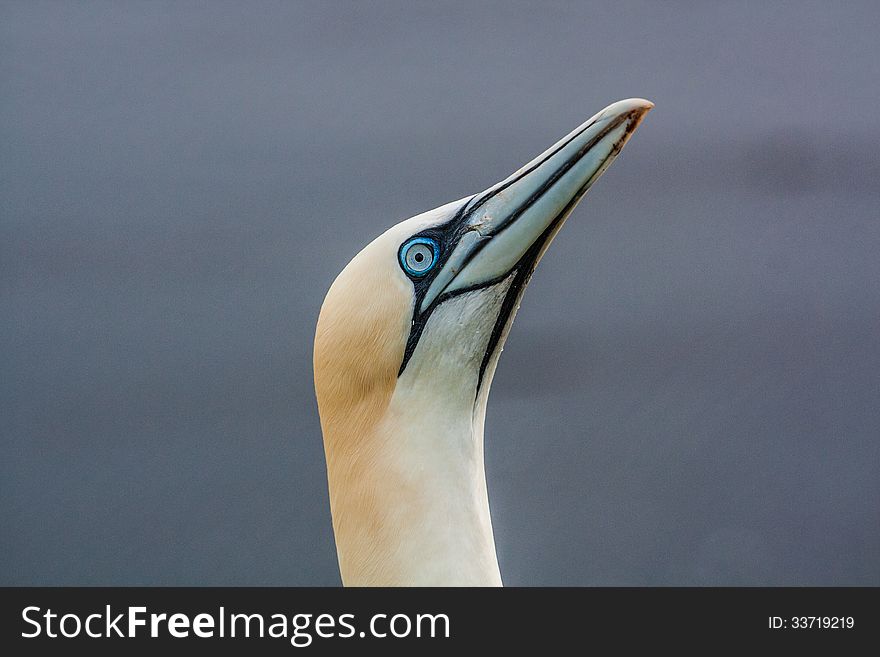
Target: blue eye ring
point(419, 255)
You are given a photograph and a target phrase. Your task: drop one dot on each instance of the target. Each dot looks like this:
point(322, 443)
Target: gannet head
point(406, 346)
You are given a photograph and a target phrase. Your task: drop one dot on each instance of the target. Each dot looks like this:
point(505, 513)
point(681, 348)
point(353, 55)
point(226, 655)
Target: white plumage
point(405, 349)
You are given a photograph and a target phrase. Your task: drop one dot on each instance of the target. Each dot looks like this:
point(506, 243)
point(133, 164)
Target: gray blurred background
point(690, 394)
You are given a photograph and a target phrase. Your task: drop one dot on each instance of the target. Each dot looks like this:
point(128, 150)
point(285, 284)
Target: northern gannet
point(406, 345)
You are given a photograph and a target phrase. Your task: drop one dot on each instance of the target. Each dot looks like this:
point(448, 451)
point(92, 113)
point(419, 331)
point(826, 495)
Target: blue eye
point(418, 256)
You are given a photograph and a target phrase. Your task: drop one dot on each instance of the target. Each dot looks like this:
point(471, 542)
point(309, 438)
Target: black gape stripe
point(524, 270)
point(554, 178)
point(492, 191)
point(447, 236)
point(450, 233)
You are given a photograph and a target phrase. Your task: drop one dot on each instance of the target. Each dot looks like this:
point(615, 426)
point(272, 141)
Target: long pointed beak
point(514, 221)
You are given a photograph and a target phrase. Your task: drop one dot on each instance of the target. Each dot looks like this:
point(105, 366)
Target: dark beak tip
point(635, 112)
point(631, 109)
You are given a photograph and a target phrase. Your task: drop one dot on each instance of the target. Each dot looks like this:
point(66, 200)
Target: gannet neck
point(410, 505)
point(412, 514)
